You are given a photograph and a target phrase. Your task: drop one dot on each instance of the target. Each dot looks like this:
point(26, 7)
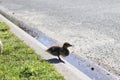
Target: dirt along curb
point(67, 70)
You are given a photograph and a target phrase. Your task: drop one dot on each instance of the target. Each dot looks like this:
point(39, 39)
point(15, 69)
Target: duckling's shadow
point(54, 61)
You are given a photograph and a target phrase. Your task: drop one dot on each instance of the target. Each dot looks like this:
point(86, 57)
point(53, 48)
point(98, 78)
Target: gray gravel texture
point(92, 26)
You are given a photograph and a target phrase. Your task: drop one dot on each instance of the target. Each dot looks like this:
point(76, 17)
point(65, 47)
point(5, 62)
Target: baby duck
point(57, 51)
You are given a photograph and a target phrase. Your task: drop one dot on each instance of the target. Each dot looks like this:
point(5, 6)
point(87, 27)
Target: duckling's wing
point(54, 50)
point(64, 52)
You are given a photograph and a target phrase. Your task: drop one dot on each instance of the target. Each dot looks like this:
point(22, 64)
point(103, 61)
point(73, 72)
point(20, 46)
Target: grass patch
point(19, 62)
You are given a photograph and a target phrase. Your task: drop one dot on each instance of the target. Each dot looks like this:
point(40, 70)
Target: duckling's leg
point(60, 59)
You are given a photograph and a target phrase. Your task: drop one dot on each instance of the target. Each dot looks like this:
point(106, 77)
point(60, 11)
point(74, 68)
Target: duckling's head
point(66, 44)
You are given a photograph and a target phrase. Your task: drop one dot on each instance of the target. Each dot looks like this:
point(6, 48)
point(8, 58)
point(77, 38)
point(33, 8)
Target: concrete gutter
point(67, 70)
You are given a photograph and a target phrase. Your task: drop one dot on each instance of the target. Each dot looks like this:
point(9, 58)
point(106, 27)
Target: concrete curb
point(68, 71)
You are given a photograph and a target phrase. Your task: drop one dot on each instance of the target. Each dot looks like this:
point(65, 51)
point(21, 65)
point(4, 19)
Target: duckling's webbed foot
point(60, 59)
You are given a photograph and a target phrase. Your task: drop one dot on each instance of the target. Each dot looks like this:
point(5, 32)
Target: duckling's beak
point(70, 45)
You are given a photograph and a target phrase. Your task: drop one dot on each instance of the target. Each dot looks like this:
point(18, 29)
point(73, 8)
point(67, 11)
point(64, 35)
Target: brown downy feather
point(57, 51)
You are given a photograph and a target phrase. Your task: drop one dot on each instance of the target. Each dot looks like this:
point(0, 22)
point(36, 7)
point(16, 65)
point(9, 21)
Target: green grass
point(19, 62)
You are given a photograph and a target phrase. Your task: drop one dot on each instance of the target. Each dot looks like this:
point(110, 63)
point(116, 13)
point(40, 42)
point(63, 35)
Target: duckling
point(1, 47)
point(57, 51)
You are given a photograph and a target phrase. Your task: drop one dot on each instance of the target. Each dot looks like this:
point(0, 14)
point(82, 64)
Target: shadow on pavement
point(54, 61)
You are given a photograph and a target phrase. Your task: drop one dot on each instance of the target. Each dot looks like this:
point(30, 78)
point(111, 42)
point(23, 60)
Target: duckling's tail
point(48, 50)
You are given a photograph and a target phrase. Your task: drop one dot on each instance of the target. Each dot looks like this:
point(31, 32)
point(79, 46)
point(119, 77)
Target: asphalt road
point(92, 26)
